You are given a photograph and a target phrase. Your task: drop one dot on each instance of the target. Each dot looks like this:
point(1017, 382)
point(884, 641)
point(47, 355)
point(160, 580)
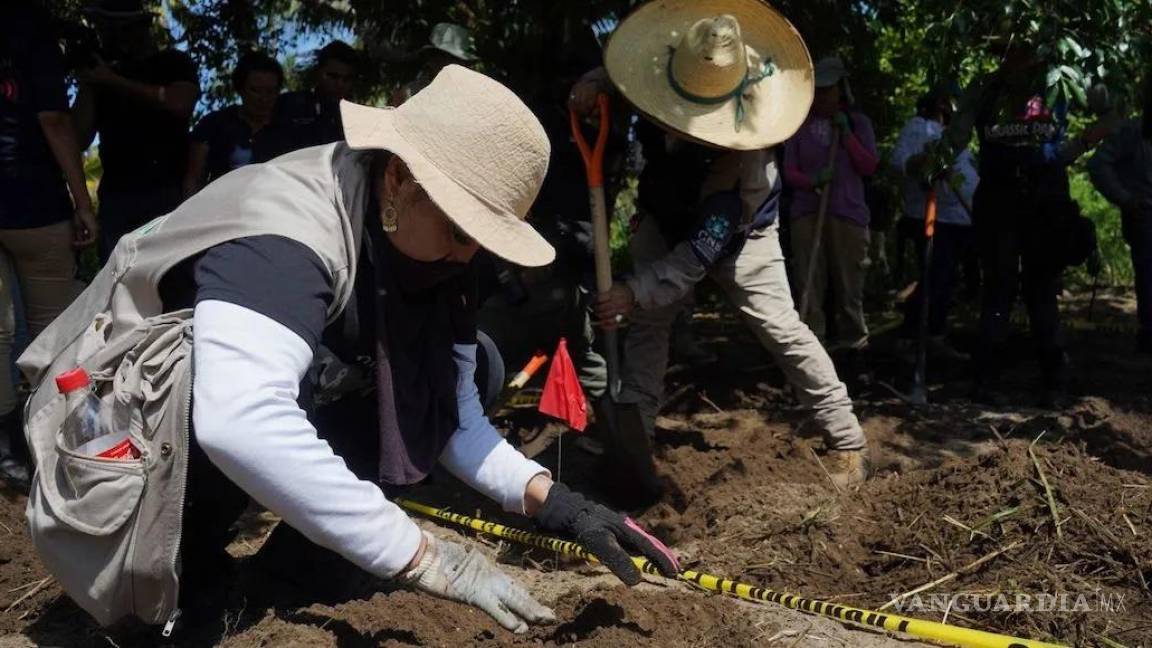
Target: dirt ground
point(959, 499)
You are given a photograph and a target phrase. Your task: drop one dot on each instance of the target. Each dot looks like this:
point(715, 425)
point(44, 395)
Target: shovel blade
point(628, 458)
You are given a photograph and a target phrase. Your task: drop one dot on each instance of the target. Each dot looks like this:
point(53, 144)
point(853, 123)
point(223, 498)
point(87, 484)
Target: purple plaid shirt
point(806, 154)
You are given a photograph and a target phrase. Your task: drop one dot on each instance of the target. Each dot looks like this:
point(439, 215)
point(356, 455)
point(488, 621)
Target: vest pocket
point(96, 496)
point(93, 496)
point(82, 515)
point(109, 529)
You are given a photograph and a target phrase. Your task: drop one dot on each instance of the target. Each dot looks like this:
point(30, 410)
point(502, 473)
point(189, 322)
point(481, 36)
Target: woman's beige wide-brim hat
point(477, 151)
point(731, 73)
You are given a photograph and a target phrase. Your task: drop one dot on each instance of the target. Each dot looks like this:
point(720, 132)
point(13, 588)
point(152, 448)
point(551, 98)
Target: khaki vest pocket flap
point(96, 496)
point(93, 496)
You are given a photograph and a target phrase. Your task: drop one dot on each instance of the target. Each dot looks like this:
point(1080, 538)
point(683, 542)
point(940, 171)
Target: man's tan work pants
point(755, 281)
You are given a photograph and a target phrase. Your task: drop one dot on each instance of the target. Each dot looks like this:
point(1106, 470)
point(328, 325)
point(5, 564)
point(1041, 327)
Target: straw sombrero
point(476, 149)
point(731, 73)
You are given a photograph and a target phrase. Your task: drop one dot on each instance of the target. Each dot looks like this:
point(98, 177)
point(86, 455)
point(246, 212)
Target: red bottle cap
point(70, 381)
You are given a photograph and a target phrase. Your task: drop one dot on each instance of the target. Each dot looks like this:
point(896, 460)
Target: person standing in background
point(448, 44)
point(1020, 210)
point(40, 224)
point(312, 117)
point(241, 133)
point(557, 298)
point(1122, 171)
point(953, 233)
point(139, 98)
point(842, 260)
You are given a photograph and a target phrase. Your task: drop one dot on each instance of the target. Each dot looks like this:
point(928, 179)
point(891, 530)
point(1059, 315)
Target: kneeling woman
point(446, 175)
point(363, 248)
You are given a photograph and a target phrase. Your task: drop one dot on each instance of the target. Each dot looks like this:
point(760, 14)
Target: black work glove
point(602, 531)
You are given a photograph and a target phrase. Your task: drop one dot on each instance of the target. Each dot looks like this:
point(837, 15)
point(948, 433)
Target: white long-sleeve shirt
point(248, 370)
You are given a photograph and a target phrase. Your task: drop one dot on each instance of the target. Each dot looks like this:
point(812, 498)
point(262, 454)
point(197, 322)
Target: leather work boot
point(848, 468)
point(15, 473)
point(15, 469)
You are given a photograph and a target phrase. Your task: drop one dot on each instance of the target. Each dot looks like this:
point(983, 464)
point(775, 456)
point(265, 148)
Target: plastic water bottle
point(84, 430)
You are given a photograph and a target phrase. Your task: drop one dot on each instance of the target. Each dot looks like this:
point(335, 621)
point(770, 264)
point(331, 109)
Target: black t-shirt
point(271, 275)
point(231, 142)
point(303, 119)
point(285, 280)
point(1020, 137)
point(275, 276)
point(32, 188)
point(143, 145)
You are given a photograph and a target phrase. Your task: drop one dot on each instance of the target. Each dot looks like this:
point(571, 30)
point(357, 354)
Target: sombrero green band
point(709, 39)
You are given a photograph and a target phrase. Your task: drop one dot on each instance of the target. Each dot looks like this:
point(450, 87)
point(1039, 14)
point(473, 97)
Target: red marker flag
point(563, 398)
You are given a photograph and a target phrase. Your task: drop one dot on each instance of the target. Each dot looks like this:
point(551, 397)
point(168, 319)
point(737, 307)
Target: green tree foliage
point(1083, 42)
point(896, 49)
point(217, 32)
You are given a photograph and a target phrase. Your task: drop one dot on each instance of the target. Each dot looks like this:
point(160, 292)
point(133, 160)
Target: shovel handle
point(919, 394)
point(594, 166)
point(821, 217)
point(593, 157)
point(930, 214)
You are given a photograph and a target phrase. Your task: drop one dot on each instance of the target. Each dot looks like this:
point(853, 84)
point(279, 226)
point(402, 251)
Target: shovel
point(821, 217)
point(628, 448)
point(919, 395)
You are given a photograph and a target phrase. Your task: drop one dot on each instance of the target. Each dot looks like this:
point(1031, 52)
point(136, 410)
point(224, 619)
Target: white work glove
point(458, 573)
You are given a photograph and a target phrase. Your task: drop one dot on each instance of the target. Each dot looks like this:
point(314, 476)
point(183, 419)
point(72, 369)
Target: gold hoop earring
point(389, 219)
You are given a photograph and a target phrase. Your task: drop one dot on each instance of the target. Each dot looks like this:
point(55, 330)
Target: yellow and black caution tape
point(525, 398)
point(964, 637)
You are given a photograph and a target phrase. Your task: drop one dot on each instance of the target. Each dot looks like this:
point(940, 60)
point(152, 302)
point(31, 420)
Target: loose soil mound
point(20, 570)
point(617, 617)
point(901, 531)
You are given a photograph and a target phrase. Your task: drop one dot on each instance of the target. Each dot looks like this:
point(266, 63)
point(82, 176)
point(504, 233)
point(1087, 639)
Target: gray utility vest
point(109, 531)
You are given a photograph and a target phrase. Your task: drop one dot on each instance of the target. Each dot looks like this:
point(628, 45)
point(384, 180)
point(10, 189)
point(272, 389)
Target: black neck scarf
point(422, 310)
